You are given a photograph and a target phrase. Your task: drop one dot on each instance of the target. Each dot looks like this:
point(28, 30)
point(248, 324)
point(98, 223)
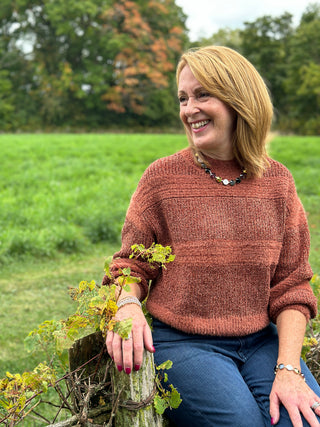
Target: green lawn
point(63, 201)
point(301, 155)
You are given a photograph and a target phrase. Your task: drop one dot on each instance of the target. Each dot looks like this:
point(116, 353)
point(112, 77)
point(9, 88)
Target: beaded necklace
point(224, 181)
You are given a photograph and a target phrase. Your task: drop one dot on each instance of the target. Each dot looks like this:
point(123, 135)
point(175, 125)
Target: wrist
point(289, 368)
point(128, 300)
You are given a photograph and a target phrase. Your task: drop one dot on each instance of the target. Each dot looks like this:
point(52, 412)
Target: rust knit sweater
point(241, 251)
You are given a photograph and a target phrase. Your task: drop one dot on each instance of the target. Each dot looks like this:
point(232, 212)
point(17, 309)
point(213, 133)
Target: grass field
point(63, 193)
point(63, 201)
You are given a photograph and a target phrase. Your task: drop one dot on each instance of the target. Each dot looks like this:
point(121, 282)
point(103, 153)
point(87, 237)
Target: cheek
point(182, 115)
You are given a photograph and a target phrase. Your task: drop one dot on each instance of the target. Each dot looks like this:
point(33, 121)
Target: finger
point(274, 409)
point(315, 404)
point(127, 349)
point(117, 351)
point(317, 411)
point(312, 411)
point(147, 338)
point(295, 416)
point(138, 347)
point(109, 340)
point(310, 416)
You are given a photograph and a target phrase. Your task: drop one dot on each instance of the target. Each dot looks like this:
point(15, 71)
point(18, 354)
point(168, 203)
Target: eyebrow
point(196, 90)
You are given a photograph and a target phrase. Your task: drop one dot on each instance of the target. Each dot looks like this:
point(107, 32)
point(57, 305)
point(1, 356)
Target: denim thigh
point(222, 381)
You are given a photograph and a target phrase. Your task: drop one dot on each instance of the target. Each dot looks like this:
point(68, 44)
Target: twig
point(64, 402)
point(106, 371)
point(93, 413)
point(86, 401)
point(114, 408)
point(40, 416)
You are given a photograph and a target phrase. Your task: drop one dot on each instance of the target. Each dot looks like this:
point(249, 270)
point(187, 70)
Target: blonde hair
point(230, 77)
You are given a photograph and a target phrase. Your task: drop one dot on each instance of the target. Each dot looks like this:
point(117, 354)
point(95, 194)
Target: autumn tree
point(97, 62)
point(149, 42)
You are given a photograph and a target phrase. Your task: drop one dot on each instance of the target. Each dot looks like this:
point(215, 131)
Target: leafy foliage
point(107, 63)
point(89, 62)
point(156, 254)
point(96, 308)
point(311, 343)
point(165, 397)
point(18, 391)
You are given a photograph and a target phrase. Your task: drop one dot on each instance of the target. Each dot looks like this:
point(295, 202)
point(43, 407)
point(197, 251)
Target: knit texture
point(241, 251)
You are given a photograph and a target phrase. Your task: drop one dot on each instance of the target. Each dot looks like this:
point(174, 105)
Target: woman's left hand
point(290, 390)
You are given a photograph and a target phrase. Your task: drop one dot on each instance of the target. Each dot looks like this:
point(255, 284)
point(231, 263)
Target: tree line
point(110, 64)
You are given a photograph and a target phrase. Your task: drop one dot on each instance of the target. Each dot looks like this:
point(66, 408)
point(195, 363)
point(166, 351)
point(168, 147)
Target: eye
point(182, 99)
point(203, 96)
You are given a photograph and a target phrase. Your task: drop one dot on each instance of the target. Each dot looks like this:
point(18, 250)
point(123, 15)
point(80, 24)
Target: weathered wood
point(137, 387)
point(84, 350)
point(131, 396)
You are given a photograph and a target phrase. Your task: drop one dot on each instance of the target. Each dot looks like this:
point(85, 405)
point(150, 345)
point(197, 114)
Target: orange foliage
point(129, 81)
point(158, 7)
point(145, 59)
point(176, 30)
point(174, 44)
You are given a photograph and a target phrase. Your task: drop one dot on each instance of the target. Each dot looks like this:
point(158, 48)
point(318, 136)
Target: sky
point(206, 17)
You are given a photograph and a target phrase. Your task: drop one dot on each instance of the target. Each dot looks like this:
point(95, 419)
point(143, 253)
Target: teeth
point(199, 124)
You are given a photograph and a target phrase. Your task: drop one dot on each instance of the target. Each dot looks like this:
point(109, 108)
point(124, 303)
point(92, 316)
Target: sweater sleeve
point(290, 284)
point(136, 230)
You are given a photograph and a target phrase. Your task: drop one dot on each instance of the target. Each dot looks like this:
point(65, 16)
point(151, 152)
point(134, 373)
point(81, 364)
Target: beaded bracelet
point(128, 300)
point(281, 366)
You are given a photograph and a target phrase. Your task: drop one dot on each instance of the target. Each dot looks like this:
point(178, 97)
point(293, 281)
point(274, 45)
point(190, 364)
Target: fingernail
point(119, 367)
point(128, 371)
point(136, 367)
point(272, 421)
point(154, 350)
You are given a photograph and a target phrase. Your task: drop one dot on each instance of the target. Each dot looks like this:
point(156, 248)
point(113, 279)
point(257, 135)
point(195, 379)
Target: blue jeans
point(223, 381)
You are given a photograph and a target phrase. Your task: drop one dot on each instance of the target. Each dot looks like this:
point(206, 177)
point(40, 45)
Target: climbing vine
point(20, 394)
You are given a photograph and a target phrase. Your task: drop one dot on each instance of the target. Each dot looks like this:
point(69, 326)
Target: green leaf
point(133, 279)
point(127, 288)
point(107, 266)
point(123, 328)
point(126, 271)
point(174, 398)
point(160, 404)
point(165, 365)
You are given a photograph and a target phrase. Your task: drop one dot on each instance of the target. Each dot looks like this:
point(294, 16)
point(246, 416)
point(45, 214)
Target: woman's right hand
point(128, 354)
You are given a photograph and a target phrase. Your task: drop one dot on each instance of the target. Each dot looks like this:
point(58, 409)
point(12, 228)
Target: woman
point(239, 232)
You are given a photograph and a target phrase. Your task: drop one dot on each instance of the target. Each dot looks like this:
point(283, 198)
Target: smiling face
point(209, 121)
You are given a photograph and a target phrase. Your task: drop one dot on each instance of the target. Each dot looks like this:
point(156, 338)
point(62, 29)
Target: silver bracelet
point(281, 366)
point(128, 300)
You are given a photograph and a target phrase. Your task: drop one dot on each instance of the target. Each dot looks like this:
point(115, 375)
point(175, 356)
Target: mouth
point(199, 125)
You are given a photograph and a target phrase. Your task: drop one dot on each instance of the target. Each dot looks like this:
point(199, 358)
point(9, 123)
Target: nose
point(191, 106)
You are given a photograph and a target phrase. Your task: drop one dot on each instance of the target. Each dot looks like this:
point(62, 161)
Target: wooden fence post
point(137, 387)
point(131, 403)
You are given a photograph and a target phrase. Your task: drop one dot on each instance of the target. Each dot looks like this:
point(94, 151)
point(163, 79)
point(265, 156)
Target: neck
point(217, 156)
